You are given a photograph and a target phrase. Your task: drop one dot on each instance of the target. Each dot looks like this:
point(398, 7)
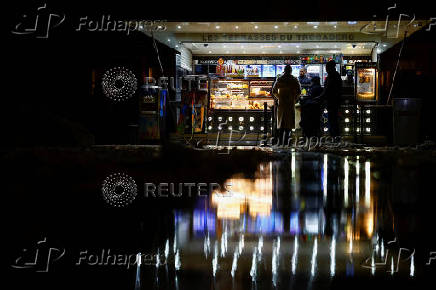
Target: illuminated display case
point(366, 82)
point(238, 104)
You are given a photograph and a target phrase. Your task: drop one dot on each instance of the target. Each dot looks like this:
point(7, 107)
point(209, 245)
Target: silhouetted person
point(286, 90)
point(311, 109)
point(332, 95)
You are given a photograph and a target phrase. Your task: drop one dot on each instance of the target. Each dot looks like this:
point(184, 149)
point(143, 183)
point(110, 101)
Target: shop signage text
point(274, 37)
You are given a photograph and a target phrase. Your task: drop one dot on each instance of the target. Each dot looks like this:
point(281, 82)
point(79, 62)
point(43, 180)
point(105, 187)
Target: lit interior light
point(251, 119)
point(295, 26)
point(281, 52)
point(210, 51)
point(220, 119)
point(230, 118)
point(315, 26)
point(334, 26)
point(368, 120)
point(347, 129)
point(293, 130)
point(209, 128)
point(261, 128)
point(326, 129)
point(275, 27)
point(169, 40)
point(325, 111)
point(230, 127)
point(209, 118)
point(298, 51)
point(368, 111)
point(347, 111)
point(352, 22)
point(368, 129)
point(217, 27)
point(177, 46)
point(384, 45)
point(279, 46)
point(236, 27)
point(256, 27)
point(251, 128)
point(179, 27)
point(241, 119)
point(347, 120)
point(357, 129)
point(358, 111)
point(219, 127)
point(241, 128)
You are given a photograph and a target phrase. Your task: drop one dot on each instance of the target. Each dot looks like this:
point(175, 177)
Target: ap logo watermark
point(39, 24)
point(39, 258)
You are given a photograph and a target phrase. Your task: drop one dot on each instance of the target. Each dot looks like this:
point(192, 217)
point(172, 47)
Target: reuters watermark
point(119, 189)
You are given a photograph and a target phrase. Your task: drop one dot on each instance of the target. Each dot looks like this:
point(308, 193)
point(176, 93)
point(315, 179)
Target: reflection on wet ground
point(306, 221)
point(311, 221)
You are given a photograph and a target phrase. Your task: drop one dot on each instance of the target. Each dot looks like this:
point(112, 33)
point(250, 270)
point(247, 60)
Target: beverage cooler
point(238, 104)
point(152, 111)
point(366, 82)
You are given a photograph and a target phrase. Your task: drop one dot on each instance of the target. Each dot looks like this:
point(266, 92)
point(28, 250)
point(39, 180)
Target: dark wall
point(52, 97)
point(416, 75)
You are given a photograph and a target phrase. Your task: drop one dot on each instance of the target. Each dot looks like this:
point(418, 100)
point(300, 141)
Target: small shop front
point(239, 62)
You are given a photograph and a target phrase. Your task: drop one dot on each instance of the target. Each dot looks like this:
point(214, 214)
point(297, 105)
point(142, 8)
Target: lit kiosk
point(366, 80)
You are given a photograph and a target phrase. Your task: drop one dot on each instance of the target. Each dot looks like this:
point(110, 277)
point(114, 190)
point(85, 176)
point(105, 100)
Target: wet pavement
point(301, 221)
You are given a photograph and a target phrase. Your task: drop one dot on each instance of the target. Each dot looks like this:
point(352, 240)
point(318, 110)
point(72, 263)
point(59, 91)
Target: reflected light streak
point(234, 263)
point(333, 257)
point(293, 164)
point(215, 259)
point(253, 270)
point(294, 256)
point(412, 266)
point(324, 185)
point(367, 184)
point(346, 173)
point(138, 272)
point(177, 262)
point(357, 179)
point(313, 260)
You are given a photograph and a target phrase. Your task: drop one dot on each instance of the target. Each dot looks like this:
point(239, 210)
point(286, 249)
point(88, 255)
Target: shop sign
point(277, 37)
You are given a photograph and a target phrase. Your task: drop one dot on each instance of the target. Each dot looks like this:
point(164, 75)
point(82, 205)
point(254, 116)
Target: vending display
point(366, 82)
point(260, 92)
point(253, 71)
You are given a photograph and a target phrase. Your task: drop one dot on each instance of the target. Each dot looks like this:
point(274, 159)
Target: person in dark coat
point(332, 95)
point(311, 109)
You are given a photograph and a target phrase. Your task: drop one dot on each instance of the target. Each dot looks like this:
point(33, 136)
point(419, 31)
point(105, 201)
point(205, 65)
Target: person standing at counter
point(303, 79)
point(286, 90)
point(332, 95)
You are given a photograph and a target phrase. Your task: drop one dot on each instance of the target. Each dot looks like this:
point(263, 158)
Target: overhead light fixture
point(179, 27)
point(281, 52)
point(315, 26)
point(236, 27)
point(297, 46)
point(210, 51)
point(384, 45)
point(352, 22)
point(177, 46)
point(275, 27)
point(217, 27)
point(334, 26)
point(256, 27)
point(169, 40)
